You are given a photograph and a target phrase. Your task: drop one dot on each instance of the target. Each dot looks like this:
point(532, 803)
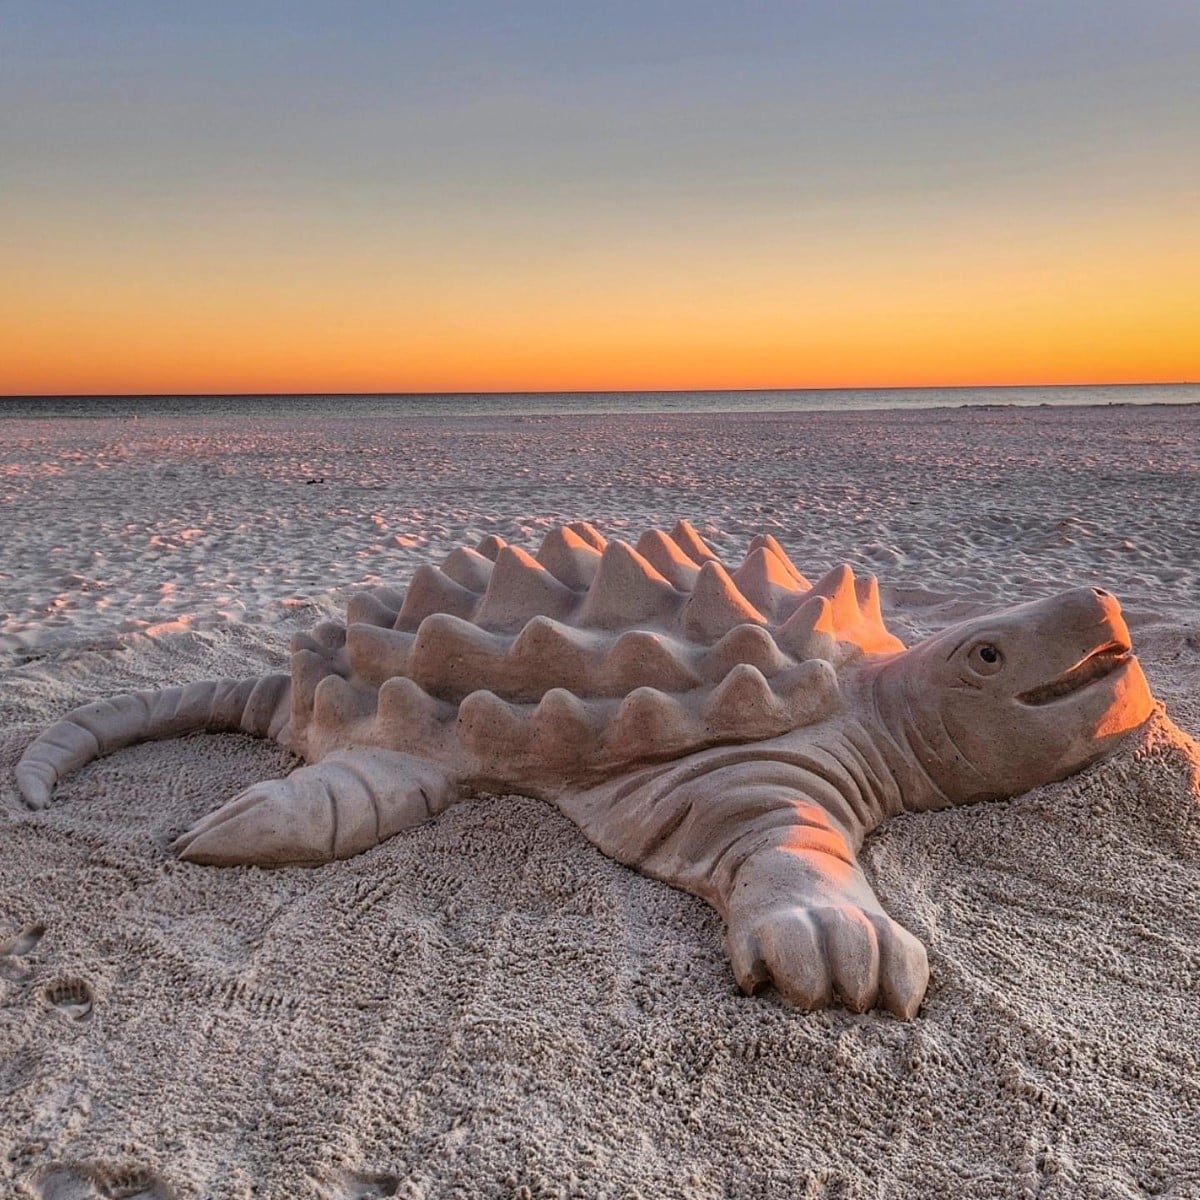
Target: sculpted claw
point(903, 968)
point(264, 819)
point(853, 954)
point(794, 957)
point(745, 954)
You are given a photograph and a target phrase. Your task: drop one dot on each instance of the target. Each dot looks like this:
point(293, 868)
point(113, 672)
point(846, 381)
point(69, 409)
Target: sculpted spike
point(545, 651)
point(432, 592)
point(390, 598)
point(837, 585)
point(564, 729)
point(644, 659)
point(468, 568)
point(301, 640)
point(810, 632)
point(716, 605)
point(308, 669)
point(745, 644)
point(377, 654)
point(744, 707)
point(627, 590)
point(589, 533)
point(409, 717)
point(331, 635)
point(810, 691)
point(569, 558)
point(866, 589)
point(853, 627)
point(367, 609)
point(491, 546)
point(496, 733)
point(521, 588)
point(752, 787)
point(338, 704)
point(768, 541)
point(765, 581)
point(452, 658)
point(649, 724)
point(325, 639)
point(684, 535)
point(668, 559)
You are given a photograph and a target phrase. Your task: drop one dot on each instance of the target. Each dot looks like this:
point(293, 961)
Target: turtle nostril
point(1100, 591)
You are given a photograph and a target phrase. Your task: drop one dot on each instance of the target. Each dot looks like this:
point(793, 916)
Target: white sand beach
point(487, 1006)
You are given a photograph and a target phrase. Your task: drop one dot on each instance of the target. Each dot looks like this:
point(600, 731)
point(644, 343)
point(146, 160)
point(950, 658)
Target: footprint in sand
point(360, 1185)
point(131, 1183)
point(72, 997)
point(14, 949)
point(96, 1181)
point(64, 1183)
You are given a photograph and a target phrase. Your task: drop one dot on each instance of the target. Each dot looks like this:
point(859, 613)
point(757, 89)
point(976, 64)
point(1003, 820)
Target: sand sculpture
point(735, 735)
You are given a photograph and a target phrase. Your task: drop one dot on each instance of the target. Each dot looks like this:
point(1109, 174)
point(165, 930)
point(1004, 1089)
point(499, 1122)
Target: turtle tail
point(261, 706)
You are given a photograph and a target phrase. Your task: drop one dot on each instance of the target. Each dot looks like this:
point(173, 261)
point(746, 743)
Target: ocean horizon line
point(646, 391)
point(484, 405)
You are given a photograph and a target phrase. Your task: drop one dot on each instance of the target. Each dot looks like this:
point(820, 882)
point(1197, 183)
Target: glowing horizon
point(463, 199)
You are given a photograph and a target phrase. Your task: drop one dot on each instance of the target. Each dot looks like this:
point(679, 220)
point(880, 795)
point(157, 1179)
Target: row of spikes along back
point(593, 652)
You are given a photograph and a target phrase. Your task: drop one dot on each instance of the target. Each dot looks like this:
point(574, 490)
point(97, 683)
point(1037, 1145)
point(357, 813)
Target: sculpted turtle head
point(1002, 703)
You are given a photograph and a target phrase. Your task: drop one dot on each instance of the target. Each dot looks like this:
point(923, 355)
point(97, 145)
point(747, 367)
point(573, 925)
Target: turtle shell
point(582, 661)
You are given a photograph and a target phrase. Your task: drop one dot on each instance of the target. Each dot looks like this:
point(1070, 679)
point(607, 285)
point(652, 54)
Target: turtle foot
point(339, 807)
point(814, 954)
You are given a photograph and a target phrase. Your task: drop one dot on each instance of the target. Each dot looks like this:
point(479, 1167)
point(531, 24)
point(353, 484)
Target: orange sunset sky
point(547, 197)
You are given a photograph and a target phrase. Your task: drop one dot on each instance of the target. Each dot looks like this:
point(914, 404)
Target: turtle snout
point(1103, 608)
point(1084, 618)
point(1092, 601)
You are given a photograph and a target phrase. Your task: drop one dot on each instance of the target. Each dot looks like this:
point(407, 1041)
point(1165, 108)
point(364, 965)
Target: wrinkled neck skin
point(859, 769)
point(908, 721)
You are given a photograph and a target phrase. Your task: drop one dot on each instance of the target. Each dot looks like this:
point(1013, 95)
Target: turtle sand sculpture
point(734, 735)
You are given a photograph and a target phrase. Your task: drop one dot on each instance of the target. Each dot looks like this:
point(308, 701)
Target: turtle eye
point(986, 659)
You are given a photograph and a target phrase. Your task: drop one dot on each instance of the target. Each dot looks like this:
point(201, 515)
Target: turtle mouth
point(1100, 664)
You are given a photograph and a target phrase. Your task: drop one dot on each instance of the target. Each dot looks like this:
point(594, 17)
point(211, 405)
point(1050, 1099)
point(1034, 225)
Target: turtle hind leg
point(345, 804)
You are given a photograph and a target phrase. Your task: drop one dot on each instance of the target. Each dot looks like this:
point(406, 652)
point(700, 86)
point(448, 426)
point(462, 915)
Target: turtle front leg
point(801, 914)
point(345, 804)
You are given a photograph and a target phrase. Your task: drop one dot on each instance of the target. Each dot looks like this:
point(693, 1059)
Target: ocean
point(510, 404)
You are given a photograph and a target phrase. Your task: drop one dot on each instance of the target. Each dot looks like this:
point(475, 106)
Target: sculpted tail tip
point(35, 782)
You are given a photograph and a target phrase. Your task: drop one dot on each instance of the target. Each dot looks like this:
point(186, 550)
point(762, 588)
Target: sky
point(487, 196)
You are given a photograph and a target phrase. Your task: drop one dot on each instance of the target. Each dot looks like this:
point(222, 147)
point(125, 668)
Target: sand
point(488, 1006)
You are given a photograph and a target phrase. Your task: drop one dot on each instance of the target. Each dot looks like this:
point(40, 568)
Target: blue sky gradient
point(542, 129)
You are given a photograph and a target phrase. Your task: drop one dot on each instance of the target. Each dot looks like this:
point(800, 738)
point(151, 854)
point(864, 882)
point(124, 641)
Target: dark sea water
point(374, 407)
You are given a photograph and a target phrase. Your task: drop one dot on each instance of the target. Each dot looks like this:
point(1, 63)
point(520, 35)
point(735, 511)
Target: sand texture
point(487, 1006)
